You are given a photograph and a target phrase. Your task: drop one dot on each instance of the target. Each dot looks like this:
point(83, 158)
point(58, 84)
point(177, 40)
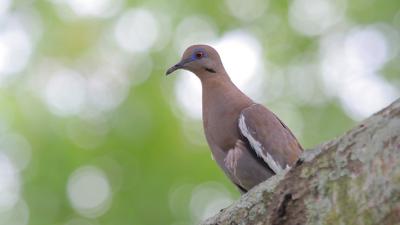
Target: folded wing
point(269, 137)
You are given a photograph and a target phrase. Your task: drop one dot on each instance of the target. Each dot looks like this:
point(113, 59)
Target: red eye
point(199, 55)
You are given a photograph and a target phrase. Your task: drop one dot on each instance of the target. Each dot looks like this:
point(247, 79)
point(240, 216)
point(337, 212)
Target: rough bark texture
point(354, 179)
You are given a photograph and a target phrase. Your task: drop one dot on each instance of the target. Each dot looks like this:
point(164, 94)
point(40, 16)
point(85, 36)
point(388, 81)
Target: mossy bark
point(354, 179)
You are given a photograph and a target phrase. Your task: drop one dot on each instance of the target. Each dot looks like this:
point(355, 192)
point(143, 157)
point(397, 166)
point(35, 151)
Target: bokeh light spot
point(314, 17)
point(246, 10)
point(366, 49)
point(72, 9)
point(17, 149)
point(106, 90)
point(350, 66)
point(188, 94)
point(208, 199)
point(136, 30)
point(194, 30)
point(15, 43)
point(89, 191)
point(241, 54)
point(179, 197)
point(65, 93)
point(89, 7)
point(18, 215)
point(4, 6)
point(367, 95)
point(9, 183)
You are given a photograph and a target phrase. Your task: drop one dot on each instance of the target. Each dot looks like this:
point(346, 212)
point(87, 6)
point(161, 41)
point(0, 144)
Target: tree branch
point(354, 179)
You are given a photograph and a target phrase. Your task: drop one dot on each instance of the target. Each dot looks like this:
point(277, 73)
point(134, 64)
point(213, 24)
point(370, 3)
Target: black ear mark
point(210, 70)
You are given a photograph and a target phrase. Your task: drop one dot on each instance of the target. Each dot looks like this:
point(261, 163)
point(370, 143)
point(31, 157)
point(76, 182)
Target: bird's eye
point(199, 55)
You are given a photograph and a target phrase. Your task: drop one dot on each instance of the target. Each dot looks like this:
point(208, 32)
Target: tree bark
point(353, 179)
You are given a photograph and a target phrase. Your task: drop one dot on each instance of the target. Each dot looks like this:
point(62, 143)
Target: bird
point(247, 140)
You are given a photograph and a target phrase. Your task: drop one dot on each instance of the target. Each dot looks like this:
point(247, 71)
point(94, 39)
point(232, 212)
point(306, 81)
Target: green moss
point(345, 204)
point(339, 208)
point(367, 218)
point(332, 217)
point(305, 172)
point(323, 162)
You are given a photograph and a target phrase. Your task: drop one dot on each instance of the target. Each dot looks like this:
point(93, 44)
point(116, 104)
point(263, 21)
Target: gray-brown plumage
point(247, 140)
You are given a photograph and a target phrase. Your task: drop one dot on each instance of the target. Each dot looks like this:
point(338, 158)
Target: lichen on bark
point(353, 179)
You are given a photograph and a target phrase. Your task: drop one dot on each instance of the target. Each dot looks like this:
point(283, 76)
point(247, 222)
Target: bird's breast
point(221, 128)
point(222, 104)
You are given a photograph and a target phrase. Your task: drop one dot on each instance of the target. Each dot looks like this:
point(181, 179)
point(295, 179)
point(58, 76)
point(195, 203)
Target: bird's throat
point(220, 97)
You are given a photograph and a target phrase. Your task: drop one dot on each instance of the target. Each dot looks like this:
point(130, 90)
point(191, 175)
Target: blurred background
point(92, 132)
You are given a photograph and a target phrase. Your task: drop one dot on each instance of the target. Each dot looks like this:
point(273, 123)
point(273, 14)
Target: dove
point(248, 141)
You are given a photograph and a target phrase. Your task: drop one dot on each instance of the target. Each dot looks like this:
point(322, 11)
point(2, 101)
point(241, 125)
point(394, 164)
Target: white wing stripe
point(258, 147)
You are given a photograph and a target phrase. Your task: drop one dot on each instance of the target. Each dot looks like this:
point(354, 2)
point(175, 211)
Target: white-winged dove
point(248, 141)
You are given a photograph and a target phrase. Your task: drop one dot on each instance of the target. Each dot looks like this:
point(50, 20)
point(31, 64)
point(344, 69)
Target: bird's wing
point(244, 168)
point(269, 137)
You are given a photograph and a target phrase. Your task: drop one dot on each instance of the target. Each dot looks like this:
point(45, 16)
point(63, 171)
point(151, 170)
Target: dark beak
point(179, 65)
point(173, 68)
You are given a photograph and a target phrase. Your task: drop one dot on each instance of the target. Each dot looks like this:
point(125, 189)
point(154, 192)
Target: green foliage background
point(151, 166)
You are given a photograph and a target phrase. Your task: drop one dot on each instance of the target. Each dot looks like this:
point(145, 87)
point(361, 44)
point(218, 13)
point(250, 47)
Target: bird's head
point(202, 60)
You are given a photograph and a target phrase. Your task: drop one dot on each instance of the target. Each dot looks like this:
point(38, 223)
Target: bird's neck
point(221, 96)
